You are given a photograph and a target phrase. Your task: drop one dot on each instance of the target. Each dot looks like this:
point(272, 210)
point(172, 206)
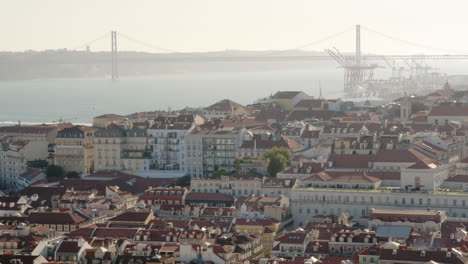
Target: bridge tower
point(115, 71)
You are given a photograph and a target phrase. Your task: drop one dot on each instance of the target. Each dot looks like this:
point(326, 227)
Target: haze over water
point(78, 100)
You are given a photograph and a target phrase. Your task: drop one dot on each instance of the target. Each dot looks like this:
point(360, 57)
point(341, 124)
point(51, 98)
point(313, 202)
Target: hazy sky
point(203, 25)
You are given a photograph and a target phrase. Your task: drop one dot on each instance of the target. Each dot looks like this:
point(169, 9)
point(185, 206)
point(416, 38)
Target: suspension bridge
point(358, 67)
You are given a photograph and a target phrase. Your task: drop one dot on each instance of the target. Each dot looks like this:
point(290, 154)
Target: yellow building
point(103, 121)
point(116, 148)
point(287, 99)
point(266, 229)
point(74, 149)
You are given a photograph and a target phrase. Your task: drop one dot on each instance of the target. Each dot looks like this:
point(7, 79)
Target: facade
point(210, 148)
point(308, 201)
point(228, 185)
point(74, 149)
point(264, 228)
point(116, 148)
point(443, 114)
point(167, 139)
point(14, 157)
point(421, 220)
point(161, 195)
point(287, 99)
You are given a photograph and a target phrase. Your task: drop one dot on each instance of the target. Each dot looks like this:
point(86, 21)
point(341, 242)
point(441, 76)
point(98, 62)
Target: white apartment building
point(357, 193)
point(14, 156)
point(228, 185)
point(210, 147)
point(167, 140)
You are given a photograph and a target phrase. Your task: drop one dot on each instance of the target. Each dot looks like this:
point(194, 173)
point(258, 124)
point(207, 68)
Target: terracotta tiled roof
point(416, 255)
point(317, 247)
point(285, 94)
point(351, 161)
point(131, 217)
point(225, 105)
point(121, 233)
point(201, 196)
point(293, 238)
point(49, 218)
point(316, 103)
point(341, 177)
point(68, 247)
point(458, 178)
point(400, 155)
point(237, 122)
point(449, 110)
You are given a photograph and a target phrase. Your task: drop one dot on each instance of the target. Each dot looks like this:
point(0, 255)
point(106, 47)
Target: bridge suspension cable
point(411, 43)
point(146, 44)
point(315, 42)
point(103, 36)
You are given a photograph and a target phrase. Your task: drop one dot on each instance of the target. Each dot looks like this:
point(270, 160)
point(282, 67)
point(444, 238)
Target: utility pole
point(115, 71)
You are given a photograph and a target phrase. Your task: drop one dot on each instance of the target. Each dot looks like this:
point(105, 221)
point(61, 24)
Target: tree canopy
point(278, 159)
point(183, 181)
point(55, 171)
point(72, 174)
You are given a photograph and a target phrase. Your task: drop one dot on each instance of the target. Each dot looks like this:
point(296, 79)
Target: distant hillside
point(82, 64)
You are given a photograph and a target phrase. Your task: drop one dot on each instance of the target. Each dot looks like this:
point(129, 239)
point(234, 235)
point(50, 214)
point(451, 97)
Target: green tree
point(54, 171)
point(183, 181)
point(220, 172)
point(278, 159)
point(72, 174)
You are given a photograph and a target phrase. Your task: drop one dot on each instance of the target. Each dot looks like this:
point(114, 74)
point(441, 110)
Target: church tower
point(405, 109)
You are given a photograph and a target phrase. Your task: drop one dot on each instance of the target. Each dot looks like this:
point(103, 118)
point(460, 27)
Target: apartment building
point(14, 157)
point(228, 185)
point(334, 192)
point(74, 149)
point(167, 139)
point(116, 148)
point(211, 147)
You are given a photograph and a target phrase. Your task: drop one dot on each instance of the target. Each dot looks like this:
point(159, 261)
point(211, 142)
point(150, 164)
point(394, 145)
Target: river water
point(79, 100)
